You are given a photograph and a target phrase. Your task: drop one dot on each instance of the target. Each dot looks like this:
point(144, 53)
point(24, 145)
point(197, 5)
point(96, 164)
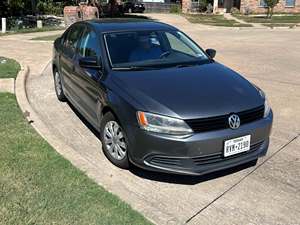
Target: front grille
point(158, 160)
point(216, 157)
point(221, 122)
point(165, 161)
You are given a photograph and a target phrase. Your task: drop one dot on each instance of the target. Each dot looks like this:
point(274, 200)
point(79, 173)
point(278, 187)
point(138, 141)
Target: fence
point(158, 7)
point(195, 7)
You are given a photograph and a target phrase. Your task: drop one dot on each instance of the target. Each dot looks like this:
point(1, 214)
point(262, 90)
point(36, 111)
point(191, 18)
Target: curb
point(75, 158)
point(33, 119)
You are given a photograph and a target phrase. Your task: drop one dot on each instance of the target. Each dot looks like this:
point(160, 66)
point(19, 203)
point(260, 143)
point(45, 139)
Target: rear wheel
point(58, 86)
point(114, 141)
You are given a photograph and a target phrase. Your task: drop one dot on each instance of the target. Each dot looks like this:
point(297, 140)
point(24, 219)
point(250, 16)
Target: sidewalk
point(35, 54)
point(230, 17)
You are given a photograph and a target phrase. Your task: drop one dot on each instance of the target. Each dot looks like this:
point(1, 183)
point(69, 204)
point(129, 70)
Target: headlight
point(267, 108)
point(162, 124)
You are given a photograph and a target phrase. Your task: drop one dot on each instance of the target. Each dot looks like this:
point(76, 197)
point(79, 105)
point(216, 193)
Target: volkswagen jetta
point(158, 100)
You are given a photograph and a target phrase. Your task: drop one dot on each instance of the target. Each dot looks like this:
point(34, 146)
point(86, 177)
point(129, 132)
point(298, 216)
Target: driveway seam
point(242, 179)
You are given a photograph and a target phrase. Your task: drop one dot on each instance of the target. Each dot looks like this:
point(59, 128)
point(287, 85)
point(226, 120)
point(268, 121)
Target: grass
point(214, 20)
point(38, 186)
point(46, 38)
point(276, 20)
point(9, 68)
point(33, 30)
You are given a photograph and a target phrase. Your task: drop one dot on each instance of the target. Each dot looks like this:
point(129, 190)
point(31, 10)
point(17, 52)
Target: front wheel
point(58, 87)
point(114, 143)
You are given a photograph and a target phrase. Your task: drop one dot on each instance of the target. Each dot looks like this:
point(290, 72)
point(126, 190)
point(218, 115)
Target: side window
point(72, 40)
point(89, 45)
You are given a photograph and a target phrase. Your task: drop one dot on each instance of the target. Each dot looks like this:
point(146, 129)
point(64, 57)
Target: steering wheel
point(165, 54)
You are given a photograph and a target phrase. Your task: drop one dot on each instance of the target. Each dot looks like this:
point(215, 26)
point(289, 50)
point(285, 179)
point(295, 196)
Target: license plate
point(237, 145)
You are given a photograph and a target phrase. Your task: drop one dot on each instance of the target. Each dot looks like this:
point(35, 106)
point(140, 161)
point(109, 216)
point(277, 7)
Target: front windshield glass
point(151, 49)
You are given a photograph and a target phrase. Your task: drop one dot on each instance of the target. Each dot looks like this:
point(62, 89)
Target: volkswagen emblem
point(234, 121)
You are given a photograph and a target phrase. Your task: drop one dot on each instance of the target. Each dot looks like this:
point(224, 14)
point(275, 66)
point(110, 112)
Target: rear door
point(87, 79)
point(67, 60)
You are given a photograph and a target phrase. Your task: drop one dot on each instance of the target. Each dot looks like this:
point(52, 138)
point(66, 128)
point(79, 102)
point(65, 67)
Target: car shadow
point(84, 121)
point(187, 179)
point(165, 177)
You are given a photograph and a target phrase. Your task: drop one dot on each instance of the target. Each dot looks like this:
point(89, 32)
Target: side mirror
point(211, 52)
point(90, 62)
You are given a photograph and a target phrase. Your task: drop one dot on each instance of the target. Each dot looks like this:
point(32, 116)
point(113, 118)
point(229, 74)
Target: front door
point(87, 79)
point(67, 61)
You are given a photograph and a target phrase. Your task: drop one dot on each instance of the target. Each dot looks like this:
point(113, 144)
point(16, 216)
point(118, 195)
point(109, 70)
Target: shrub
point(209, 8)
point(247, 11)
point(175, 8)
point(270, 4)
point(235, 10)
point(202, 5)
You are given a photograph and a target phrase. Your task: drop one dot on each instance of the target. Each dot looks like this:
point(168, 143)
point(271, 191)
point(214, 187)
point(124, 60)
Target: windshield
point(151, 49)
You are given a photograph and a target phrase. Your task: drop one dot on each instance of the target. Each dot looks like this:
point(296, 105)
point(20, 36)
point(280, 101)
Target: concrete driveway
point(268, 193)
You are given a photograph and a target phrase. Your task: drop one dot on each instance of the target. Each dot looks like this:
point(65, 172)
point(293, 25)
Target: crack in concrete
point(240, 181)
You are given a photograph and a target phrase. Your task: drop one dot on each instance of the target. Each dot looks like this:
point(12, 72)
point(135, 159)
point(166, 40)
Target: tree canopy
point(32, 7)
point(271, 4)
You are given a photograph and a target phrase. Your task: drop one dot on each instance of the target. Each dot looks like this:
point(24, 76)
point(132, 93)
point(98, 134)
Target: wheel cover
point(58, 87)
point(114, 140)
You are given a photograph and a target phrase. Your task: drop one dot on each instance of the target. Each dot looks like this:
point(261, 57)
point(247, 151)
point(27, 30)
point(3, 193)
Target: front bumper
point(199, 153)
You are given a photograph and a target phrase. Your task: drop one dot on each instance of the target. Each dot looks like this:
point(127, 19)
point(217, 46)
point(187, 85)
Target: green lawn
point(276, 20)
point(214, 20)
point(46, 38)
point(9, 68)
point(38, 186)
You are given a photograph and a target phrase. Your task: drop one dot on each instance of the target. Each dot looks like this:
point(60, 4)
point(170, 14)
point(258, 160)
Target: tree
point(33, 6)
point(270, 5)
point(3, 8)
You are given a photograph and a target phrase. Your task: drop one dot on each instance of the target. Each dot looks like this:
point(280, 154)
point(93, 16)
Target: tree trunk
point(33, 6)
point(271, 12)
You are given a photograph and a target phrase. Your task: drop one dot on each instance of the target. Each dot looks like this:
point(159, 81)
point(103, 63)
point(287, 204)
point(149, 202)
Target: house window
point(289, 3)
point(262, 3)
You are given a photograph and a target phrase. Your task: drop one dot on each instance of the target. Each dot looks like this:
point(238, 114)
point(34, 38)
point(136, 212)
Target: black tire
point(58, 86)
point(124, 162)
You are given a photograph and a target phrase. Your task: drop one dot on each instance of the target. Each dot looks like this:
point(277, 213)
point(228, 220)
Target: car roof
point(128, 24)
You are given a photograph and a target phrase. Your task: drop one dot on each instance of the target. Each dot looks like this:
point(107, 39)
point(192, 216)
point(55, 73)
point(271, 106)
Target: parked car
point(158, 100)
point(133, 7)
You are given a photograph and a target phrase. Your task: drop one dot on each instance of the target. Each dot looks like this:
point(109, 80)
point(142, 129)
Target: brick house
point(245, 6)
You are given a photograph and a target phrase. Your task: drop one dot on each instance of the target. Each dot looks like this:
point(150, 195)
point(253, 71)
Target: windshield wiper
point(134, 68)
point(189, 64)
point(185, 65)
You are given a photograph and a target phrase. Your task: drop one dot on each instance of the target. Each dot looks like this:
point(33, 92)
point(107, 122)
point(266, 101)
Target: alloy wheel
point(58, 83)
point(114, 140)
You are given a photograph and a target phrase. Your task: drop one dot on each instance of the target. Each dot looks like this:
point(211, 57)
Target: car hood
point(190, 92)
